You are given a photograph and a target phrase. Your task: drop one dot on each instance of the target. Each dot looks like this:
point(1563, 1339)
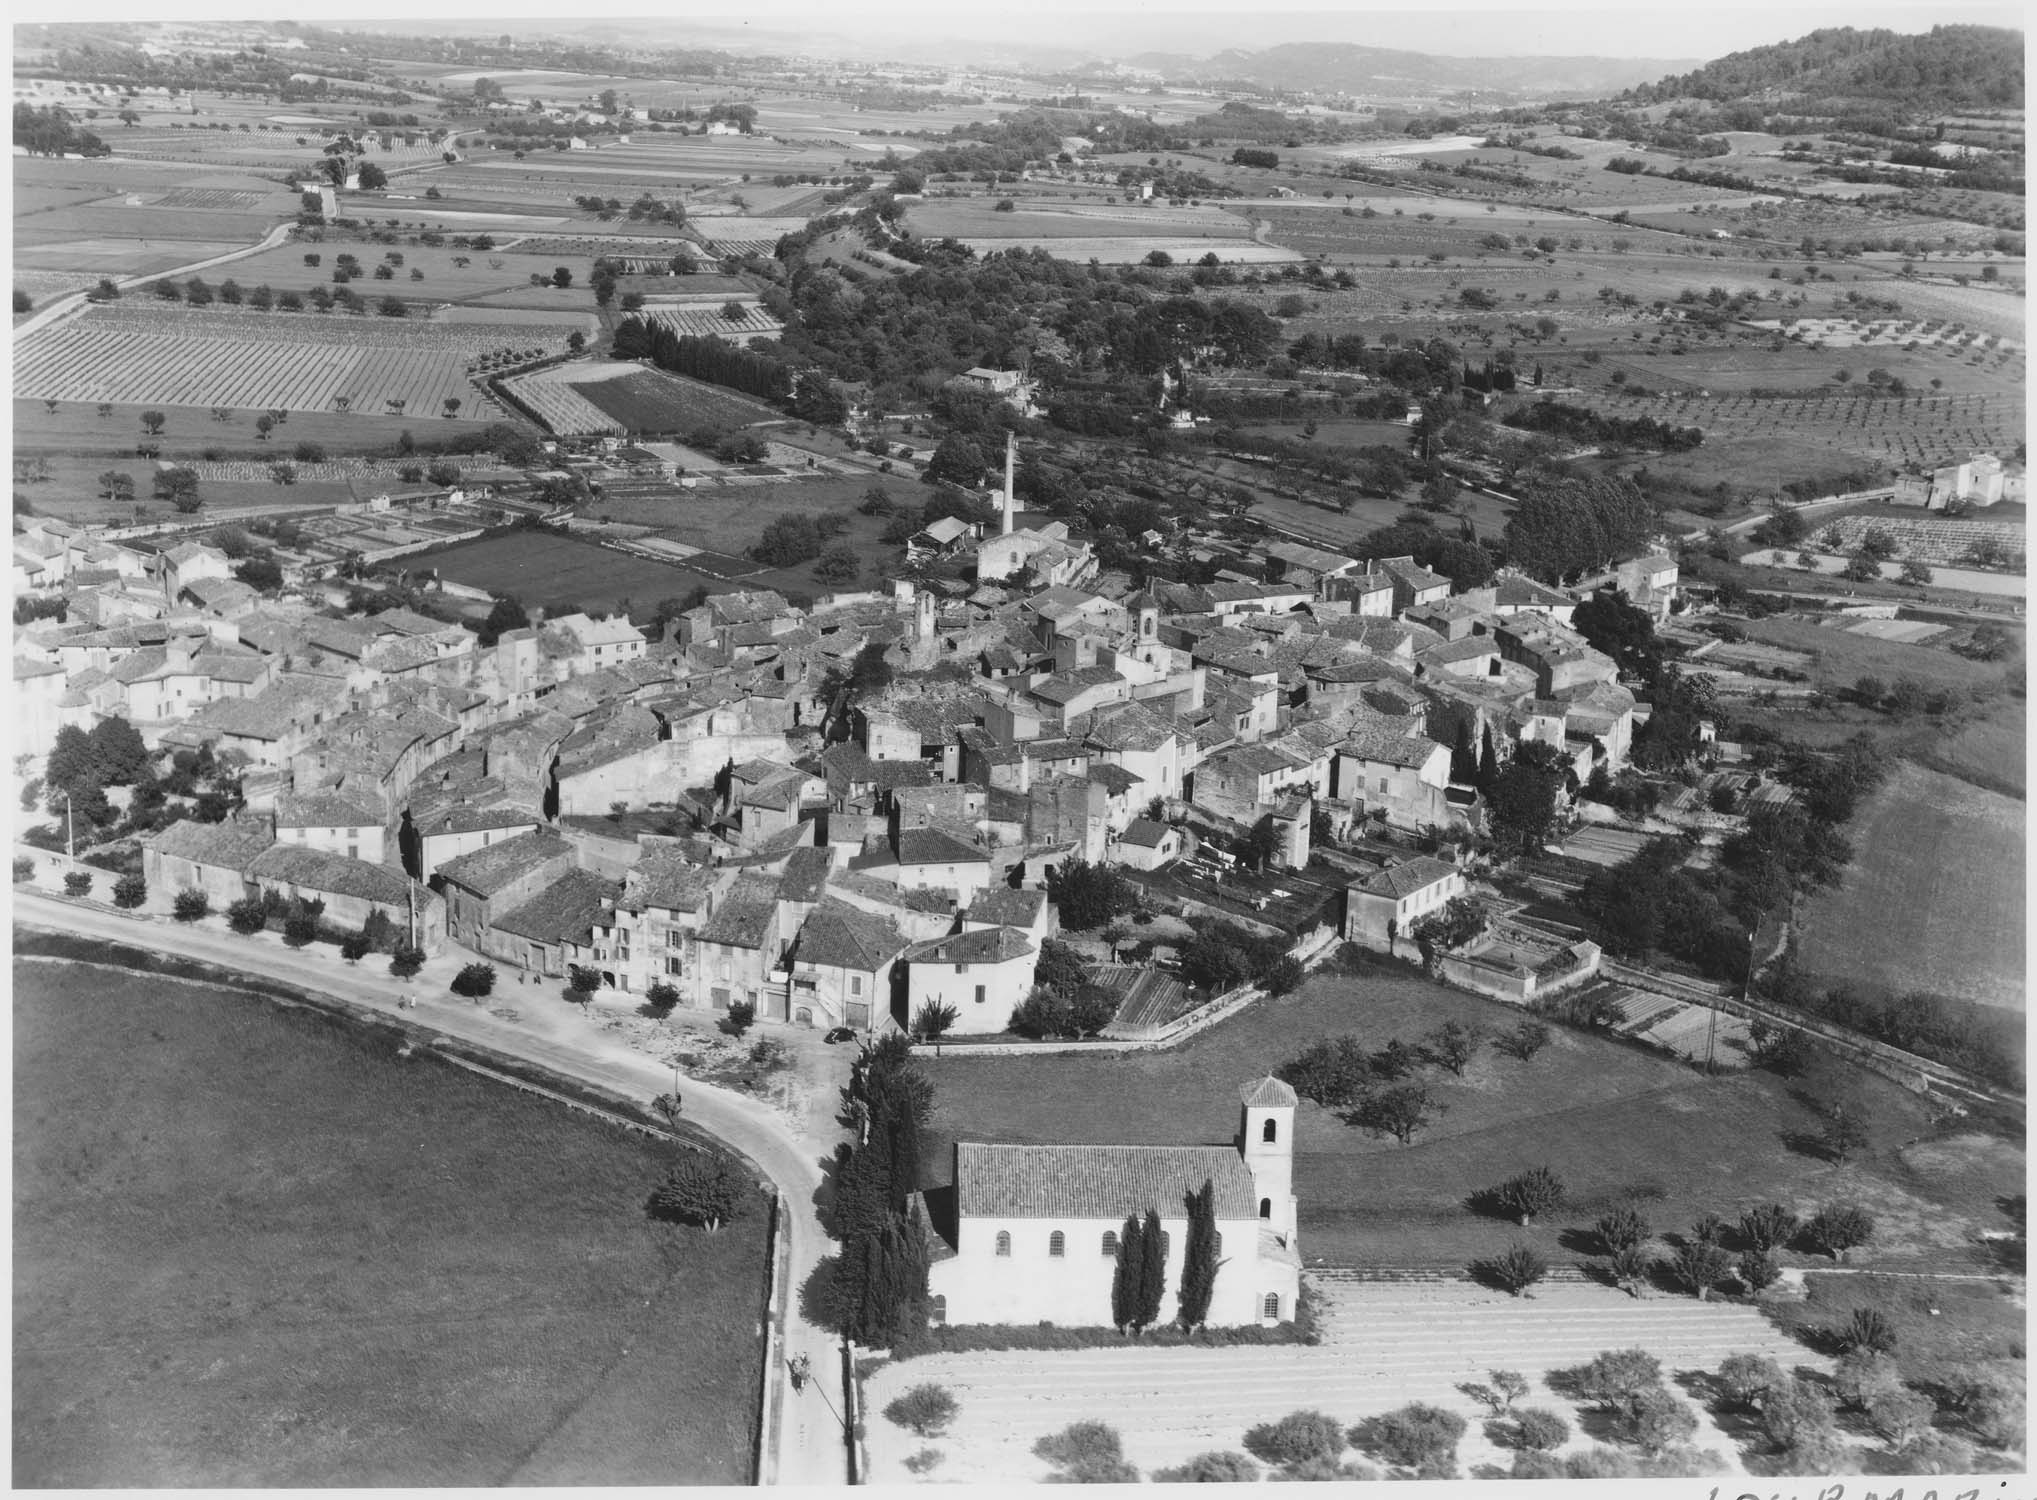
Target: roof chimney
point(1010, 456)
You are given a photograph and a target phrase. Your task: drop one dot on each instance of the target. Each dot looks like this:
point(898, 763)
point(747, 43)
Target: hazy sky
point(1474, 28)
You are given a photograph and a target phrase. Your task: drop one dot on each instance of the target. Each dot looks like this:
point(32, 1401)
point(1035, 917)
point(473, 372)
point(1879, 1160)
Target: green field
point(1934, 899)
point(255, 1247)
point(559, 573)
point(1612, 1120)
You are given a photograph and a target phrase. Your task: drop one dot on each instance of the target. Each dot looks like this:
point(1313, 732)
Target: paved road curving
point(810, 1446)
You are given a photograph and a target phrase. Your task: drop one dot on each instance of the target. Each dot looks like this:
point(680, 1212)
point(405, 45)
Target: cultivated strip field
point(561, 407)
point(709, 321)
point(300, 362)
point(1383, 1346)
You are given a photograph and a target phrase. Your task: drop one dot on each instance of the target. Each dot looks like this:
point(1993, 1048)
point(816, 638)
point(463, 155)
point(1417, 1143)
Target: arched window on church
point(1265, 1208)
point(1110, 1242)
point(1273, 1304)
point(1003, 1242)
point(1218, 1250)
point(1269, 1132)
point(1057, 1244)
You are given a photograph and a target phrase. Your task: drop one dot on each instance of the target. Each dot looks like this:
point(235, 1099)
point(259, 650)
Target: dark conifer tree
point(1199, 1256)
point(1152, 1271)
point(1124, 1286)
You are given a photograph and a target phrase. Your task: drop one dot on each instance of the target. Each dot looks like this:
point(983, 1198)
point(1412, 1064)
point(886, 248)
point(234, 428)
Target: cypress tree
point(1152, 1271)
point(1488, 764)
point(1199, 1256)
point(1124, 1286)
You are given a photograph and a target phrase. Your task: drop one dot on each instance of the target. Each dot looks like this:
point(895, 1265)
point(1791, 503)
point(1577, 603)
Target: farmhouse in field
point(1029, 1234)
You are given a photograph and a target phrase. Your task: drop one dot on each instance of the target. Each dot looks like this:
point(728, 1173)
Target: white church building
point(1031, 1232)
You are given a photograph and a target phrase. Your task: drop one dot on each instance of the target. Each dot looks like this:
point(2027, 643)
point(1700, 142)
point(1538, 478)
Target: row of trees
point(1139, 1282)
point(876, 1290)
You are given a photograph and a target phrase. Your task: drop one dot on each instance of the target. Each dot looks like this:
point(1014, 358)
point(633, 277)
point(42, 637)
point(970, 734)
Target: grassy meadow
point(1613, 1120)
point(255, 1247)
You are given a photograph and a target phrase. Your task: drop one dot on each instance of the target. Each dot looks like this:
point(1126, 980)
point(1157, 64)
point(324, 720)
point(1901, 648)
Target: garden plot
point(1910, 632)
point(140, 354)
point(1929, 539)
point(559, 406)
point(710, 320)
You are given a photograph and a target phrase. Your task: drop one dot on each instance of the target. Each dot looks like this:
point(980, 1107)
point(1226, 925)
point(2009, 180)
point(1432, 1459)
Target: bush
point(1701, 1265)
point(406, 961)
point(1868, 1329)
point(927, 1459)
point(1655, 1420)
point(474, 980)
point(1615, 1377)
point(354, 947)
point(1087, 1453)
point(1514, 1269)
point(129, 891)
point(247, 915)
point(661, 997)
point(1533, 1192)
point(1768, 1226)
point(1861, 1377)
point(1992, 1401)
point(741, 1017)
point(704, 1189)
point(24, 870)
point(77, 883)
point(1210, 1468)
point(1840, 1228)
point(925, 1410)
point(1417, 1436)
point(1296, 1438)
point(1759, 1270)
point(1619, 1230)
point(300, 928)
point(190, 904)
point(1744, 1381)
point(1537, 1430)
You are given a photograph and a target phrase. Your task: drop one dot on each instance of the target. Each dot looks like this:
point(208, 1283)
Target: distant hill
point(1948, 67)
point(1348, 68)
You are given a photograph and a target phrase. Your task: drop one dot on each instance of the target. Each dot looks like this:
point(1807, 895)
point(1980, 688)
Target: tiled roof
point(232, 844)
point(1064, 686)
point(466, 817)
point(1403, 880)
point(1129, 726)
point(322, 810)
point(563, 912)
point(1115, 780)
point(984, 945)
point(929, 846)
point(1006, 907)
point(1387, 746)
point(744, 919)
point(839, 936)
point(1144, 833)
point(1267, 1091)
point(665, 879)
point(486, 871)
point(806, 874)
point(318, 870)
point(1096, 1182)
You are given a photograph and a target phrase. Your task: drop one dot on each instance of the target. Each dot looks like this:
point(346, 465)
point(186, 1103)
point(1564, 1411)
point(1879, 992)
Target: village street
point(553, 1035)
